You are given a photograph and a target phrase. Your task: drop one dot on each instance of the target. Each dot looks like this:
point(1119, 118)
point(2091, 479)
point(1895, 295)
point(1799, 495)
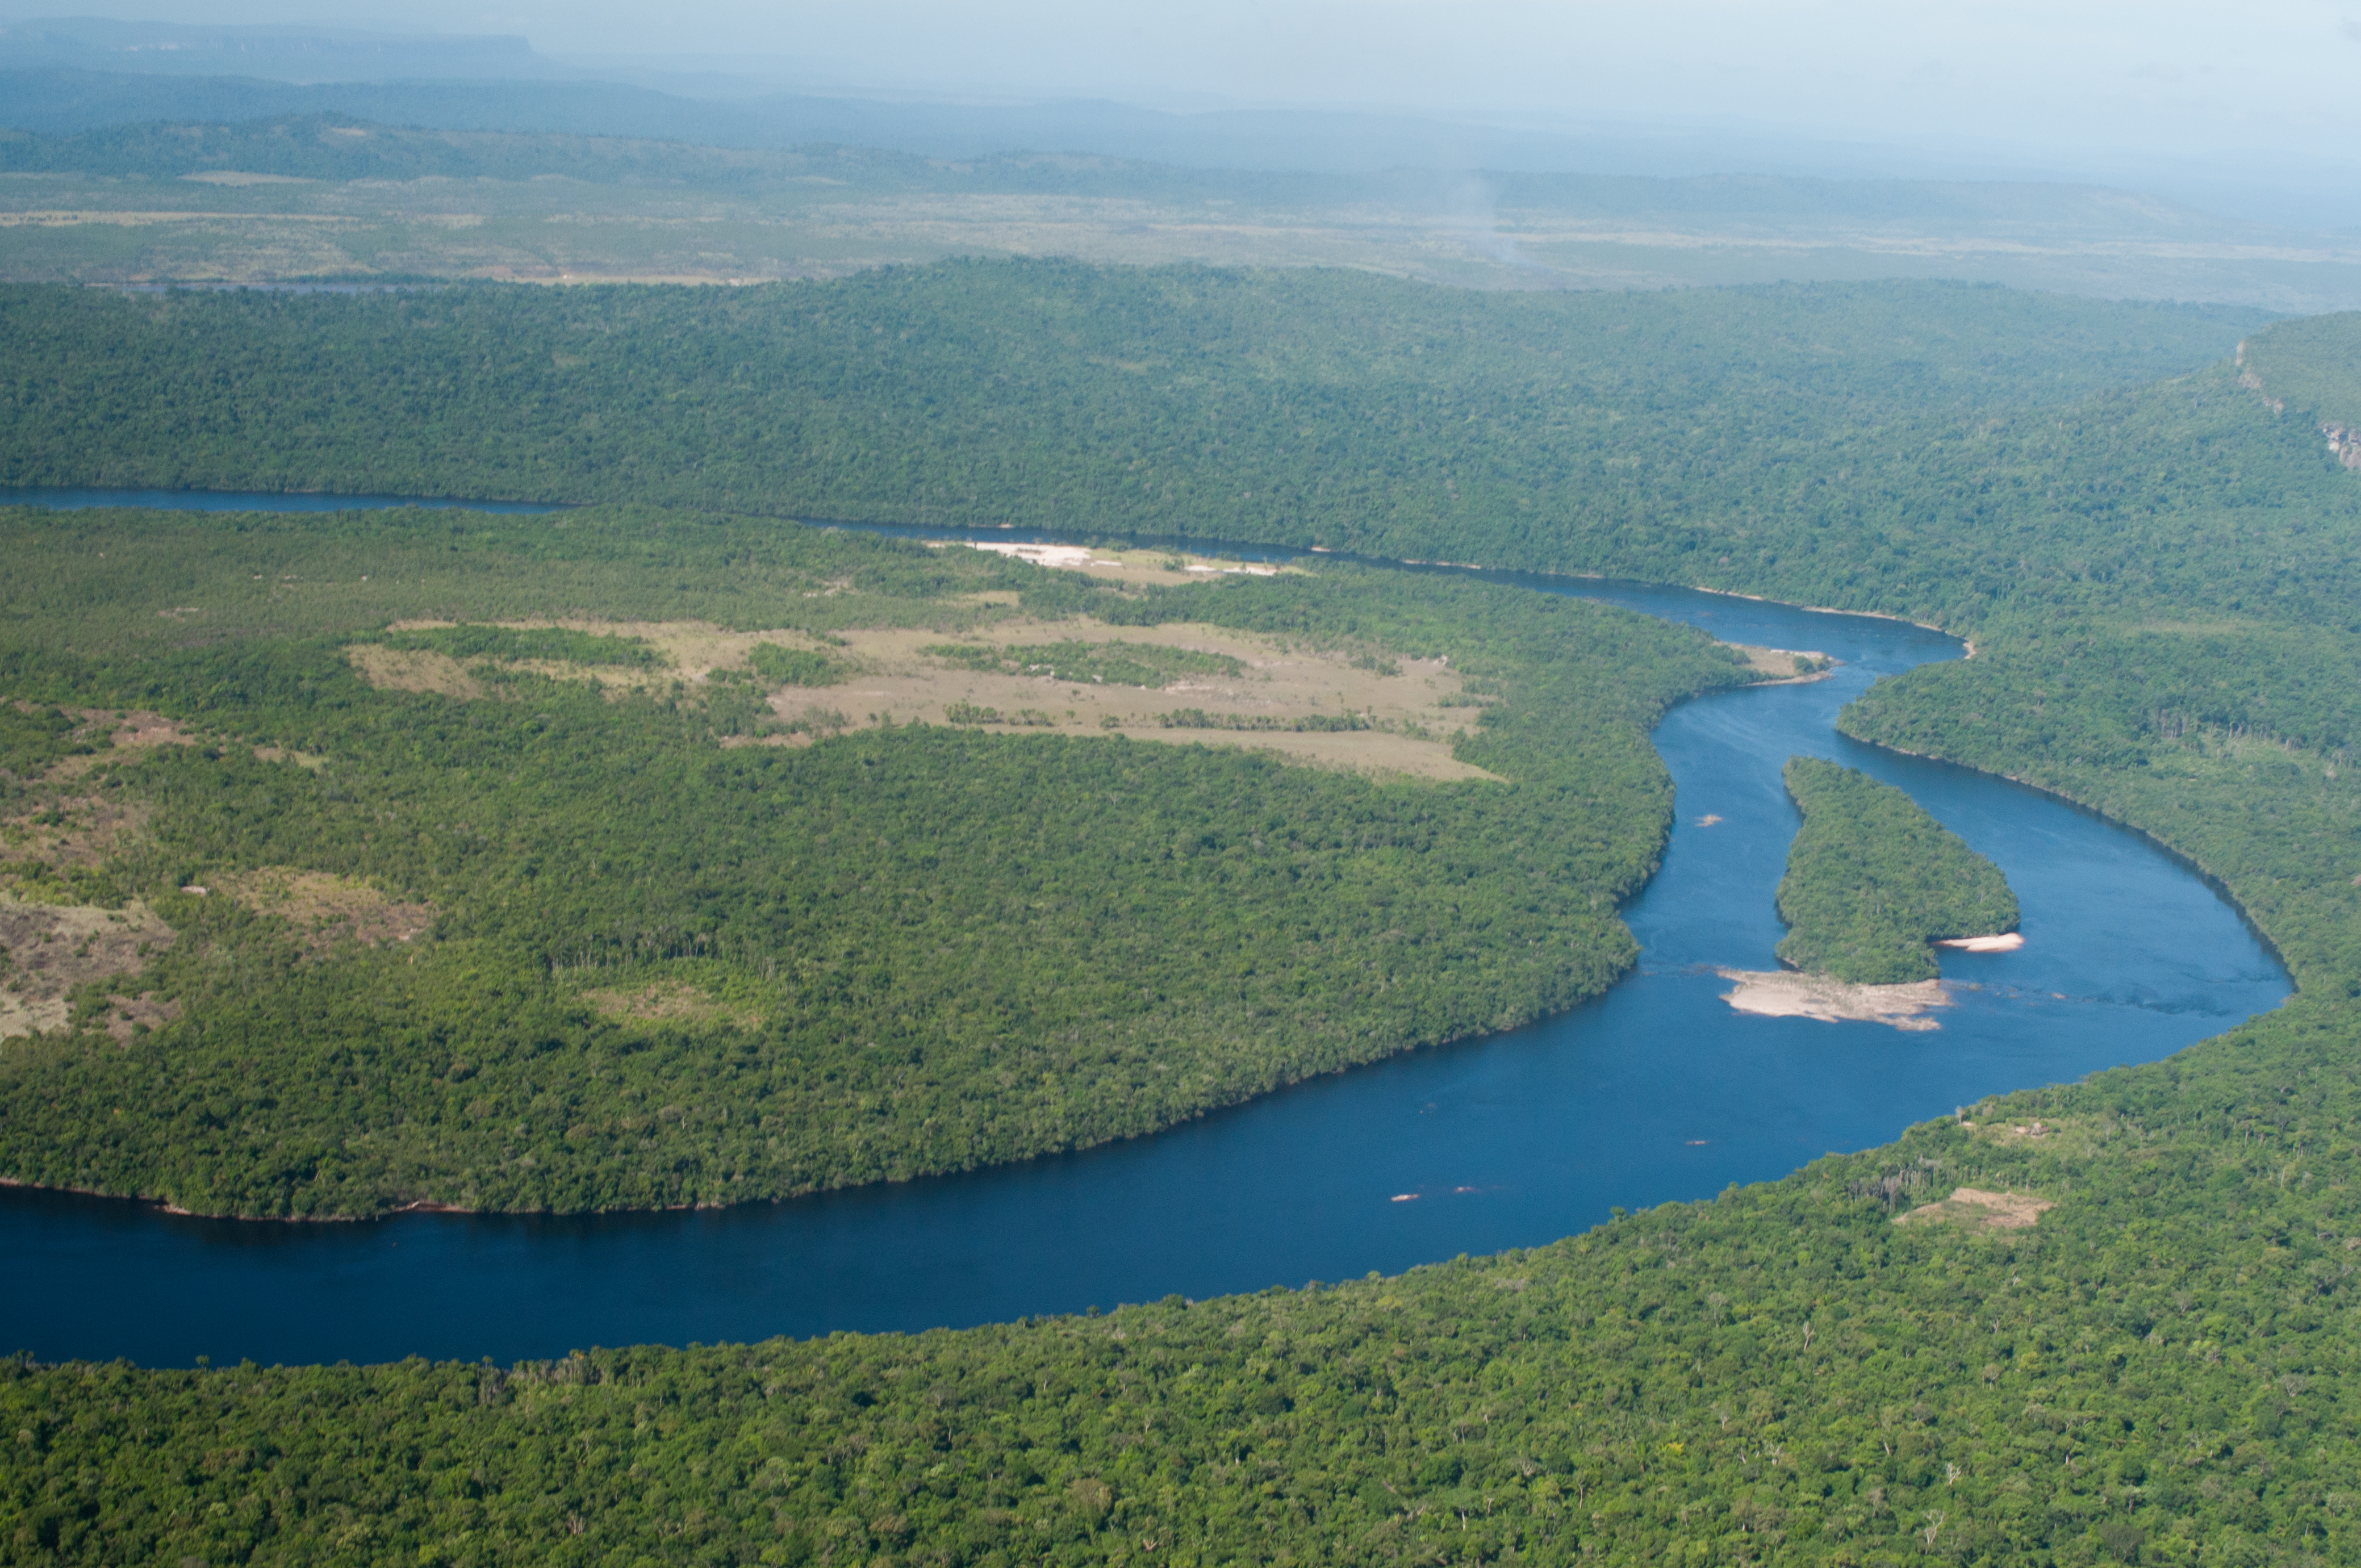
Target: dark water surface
point(1654, 1092)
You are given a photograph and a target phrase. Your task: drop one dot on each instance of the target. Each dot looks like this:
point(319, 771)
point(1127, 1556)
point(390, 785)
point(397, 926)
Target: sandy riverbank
point(2007, 942)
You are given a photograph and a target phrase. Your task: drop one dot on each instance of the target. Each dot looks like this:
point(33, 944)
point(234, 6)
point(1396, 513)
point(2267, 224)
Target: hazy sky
point(2161, 74)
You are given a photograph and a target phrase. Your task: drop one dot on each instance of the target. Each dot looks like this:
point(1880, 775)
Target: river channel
point(1655, 1092)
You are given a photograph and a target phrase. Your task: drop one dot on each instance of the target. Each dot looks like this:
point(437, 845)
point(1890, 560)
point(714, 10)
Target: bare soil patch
point(1785, 993)
point(53, 947)
point(1410, 733)
point(132, 731)
point(70, 831)
point(1973, 1208)
point(127, 1017)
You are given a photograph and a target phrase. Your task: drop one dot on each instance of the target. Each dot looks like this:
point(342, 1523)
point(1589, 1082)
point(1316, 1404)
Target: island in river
point(1873, 885)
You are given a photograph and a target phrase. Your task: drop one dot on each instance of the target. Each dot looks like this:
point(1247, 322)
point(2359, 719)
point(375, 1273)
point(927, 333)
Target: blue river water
point(1655, 1092)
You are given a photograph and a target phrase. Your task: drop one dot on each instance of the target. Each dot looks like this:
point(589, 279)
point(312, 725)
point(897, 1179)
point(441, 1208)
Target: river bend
point(1654, 1092)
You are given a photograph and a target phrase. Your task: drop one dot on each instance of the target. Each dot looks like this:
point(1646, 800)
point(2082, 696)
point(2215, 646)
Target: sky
point(2166, 77)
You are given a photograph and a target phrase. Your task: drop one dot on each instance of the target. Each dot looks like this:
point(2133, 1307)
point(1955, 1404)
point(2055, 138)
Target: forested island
point(1873, 882)
point(2141, 516)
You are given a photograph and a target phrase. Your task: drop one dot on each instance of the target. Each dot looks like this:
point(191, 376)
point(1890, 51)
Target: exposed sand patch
point(691, 649)
point(1411, 734)
point(1973, 1208)
point(328, 908)
point(1780, 662)
point(669, 1000)
point(1134, 564)
point(1785, 993)
point(53, 947)
point(2007, 942)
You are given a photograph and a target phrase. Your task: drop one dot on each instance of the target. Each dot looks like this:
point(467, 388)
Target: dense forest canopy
point(1873, 880)
point(2310, 368)
point(1931, 448)
point(522, 940)
point(2107, 1322)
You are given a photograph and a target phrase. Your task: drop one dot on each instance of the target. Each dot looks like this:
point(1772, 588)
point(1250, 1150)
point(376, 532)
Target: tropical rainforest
point(2143, 518)
point(634, 967)
point(1873, 880)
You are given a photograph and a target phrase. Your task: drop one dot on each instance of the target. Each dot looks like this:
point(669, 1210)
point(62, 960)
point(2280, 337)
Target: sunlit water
point(1656, 1090)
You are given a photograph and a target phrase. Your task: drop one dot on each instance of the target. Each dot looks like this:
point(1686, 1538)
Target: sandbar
point(1786, 994)
point(2007, 942)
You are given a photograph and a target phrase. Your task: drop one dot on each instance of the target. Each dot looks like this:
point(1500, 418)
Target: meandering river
point(1655, 1092)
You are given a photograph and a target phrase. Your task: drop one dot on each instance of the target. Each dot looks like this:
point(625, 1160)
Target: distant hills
point(299, 54)
point(333, 146)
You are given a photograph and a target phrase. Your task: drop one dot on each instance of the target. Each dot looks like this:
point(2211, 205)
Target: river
point(1655, 1092)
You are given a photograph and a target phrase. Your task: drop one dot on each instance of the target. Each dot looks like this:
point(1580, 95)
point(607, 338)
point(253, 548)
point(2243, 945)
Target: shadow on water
point(1654, 1092)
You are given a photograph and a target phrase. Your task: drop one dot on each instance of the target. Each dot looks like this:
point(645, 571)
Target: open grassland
point(340, 202)
point(1325, 705)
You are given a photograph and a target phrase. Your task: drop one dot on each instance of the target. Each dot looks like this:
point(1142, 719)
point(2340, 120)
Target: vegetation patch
point(530, 645)
point(939, 946)
point(413, 670)
point(784, 666)
point(1973, 1208)
point(1873, 882)
point(669, 1002)
point(1152, 665)
point(48, 951)
point(327, 908)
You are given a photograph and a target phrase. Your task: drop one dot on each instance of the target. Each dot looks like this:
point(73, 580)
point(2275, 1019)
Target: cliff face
point(2345, 444)
point(2314, 363)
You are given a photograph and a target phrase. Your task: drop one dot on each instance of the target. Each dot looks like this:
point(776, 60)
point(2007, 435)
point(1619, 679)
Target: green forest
point(1915, 446)
point(1873, 881)
point(2147, 535)
point(658, 971)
